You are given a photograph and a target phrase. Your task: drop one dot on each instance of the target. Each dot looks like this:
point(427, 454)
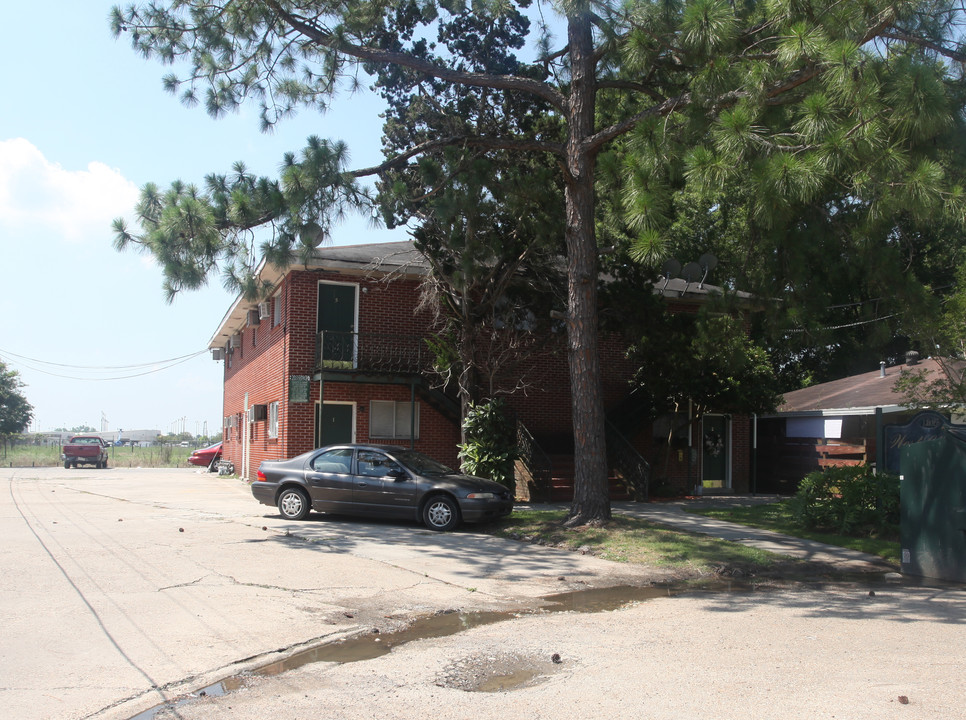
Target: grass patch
point(780, 518)
point(631, 540)
point(154, 456)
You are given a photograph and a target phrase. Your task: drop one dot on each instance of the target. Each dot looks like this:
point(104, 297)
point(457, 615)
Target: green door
point(333, 424)
point(336, 325)
point(714, 451)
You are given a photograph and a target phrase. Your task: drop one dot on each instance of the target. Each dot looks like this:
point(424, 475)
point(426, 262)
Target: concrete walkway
point(675, 514)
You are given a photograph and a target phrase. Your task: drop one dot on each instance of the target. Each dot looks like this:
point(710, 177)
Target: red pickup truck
point(84, 450)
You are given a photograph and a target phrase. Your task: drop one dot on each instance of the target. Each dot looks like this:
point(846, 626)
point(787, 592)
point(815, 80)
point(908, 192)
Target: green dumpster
point(933, 508)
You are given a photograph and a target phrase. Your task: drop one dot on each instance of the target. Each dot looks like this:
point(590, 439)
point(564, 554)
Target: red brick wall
point(544, 405)
point(262, 368)
point(259, 367)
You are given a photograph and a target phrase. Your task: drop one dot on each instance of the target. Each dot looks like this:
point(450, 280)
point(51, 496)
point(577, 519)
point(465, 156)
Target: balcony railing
point(536, 464)
point(372, 352)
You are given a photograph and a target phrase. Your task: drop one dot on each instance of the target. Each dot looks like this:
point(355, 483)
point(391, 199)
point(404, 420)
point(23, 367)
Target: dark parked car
point(378, 481)
point(206, 456)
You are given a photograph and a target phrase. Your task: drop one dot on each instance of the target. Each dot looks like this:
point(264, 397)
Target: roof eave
point(832, 412)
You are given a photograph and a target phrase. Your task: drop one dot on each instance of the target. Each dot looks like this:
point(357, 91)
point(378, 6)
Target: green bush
point(849, 500)
point(491, 443)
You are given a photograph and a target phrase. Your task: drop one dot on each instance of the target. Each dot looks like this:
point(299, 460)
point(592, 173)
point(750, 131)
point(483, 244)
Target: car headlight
point(481, 496)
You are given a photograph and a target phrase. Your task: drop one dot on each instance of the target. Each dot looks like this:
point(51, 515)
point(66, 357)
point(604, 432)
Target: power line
point(839, 327)
point(156, 367)
point(101, 367)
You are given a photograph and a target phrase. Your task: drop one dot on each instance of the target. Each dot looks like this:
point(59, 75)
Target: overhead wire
point(101, 367)
point(839, 327)
point(37, 366)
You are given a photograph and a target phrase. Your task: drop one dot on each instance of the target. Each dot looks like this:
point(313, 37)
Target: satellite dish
point(691, 272)
point(707, 263)
point(670, 269)
point(312, 234)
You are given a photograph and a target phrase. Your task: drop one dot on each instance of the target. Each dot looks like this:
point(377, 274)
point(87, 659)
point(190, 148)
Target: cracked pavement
point(124, 588)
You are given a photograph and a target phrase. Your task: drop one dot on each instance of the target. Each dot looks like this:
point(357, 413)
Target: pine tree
point(799, 92)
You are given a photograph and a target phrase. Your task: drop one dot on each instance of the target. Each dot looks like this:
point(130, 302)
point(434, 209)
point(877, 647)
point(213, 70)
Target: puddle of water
point(509, 681)
point(222, 687)
point(373, 645)
point(368, 647)
point(606, 599)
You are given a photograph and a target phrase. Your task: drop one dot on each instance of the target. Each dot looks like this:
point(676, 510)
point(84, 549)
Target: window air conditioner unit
point(234, 341)
point(264, 310)
point(257, 413)
point(217, 353)
point(253, 317)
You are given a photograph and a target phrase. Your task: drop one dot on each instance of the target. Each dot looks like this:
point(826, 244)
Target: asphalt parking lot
point(127, 589)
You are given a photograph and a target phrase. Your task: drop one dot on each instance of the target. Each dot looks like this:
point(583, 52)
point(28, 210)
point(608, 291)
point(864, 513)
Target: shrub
point(849, 500)
point(491, 443)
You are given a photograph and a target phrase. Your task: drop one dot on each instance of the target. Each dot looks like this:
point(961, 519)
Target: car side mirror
point(398, 474)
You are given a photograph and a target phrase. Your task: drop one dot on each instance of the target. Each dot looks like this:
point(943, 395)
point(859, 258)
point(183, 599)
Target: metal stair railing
point(535, 461)
point(635, 471)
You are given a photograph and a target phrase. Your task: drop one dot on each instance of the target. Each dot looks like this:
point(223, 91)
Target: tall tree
point(942, 336)
point(809, 87)
point(15, 412)
point(489, 238)
point(490, 225)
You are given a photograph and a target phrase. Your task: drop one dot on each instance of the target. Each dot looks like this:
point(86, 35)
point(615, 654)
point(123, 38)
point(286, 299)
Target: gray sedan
point(378, 481)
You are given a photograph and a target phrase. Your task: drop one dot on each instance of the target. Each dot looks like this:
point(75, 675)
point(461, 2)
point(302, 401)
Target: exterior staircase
point(548, 475)
point(562, 481)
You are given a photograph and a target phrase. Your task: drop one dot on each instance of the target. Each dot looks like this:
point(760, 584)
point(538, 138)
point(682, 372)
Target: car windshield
point(420, 464)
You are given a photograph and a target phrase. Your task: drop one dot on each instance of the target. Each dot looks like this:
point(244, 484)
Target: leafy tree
point(943, 390)
point(15, 412)
point(77, 429)
point(490, 447)
point(845, 297)
point(688, 364)
point(706, 360)
point(785, 96)
point(489, 225)
point(943, 335)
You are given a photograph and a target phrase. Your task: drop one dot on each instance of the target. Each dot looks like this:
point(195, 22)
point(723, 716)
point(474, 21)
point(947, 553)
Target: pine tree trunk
point(591, 501)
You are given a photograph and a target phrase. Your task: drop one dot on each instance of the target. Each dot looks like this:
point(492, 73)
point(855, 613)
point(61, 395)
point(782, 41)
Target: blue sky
point(85, 124)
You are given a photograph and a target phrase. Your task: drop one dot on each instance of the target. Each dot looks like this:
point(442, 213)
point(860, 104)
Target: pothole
point(498, 673)
point(475, 674)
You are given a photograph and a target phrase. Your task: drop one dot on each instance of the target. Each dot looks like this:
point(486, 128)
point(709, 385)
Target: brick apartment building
point(338, 353)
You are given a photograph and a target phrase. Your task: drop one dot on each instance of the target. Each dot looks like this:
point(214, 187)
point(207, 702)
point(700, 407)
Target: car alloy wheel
point(441, 513)
point(293, 504)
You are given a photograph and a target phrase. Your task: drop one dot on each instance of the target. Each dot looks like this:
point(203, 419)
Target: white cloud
point(41, 196)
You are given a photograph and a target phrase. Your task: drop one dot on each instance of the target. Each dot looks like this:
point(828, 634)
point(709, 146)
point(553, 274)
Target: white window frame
point(273, 420)
point(277, 310)
point(397, 407)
